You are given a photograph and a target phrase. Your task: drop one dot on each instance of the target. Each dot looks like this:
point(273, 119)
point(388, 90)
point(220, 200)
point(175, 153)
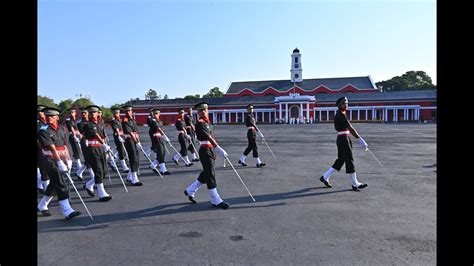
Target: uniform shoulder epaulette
point(44, 127)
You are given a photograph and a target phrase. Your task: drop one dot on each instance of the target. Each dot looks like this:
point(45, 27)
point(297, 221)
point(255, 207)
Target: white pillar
point(307, 110)
point(327, 115)
point(301, 109)
point(286, 114)
point(279, 111)
point(263, 116)
point(350, 115)
point(358, 114)
point(320, 116)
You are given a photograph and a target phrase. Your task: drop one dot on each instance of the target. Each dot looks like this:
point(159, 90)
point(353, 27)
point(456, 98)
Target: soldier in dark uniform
point(83, 143)
point(191, 130)
point(41, 176)
point(344, 146)
point(74, 137)
point(116, 124)
point(96, 148)
point(109, 157)
point(158, 138)
point(252, 138)
point(149, 120)
point(206, 137)
point(132, 144)
point(182, 138)
point(52, 139)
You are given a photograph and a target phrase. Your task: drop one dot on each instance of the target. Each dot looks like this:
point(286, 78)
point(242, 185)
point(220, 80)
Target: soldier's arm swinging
point(353, 131)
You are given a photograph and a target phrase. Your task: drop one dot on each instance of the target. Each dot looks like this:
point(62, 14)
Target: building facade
point(299, 100)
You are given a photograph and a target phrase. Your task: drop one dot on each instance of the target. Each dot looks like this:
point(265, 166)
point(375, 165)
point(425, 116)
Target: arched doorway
point(294, 111)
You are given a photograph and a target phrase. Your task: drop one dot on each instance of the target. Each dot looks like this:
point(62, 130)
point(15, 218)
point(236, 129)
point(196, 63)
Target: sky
point(115, 50)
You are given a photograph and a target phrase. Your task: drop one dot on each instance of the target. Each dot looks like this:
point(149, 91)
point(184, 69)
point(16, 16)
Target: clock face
point(297, 76)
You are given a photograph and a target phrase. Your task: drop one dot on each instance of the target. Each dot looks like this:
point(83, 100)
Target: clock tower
point(296, 70)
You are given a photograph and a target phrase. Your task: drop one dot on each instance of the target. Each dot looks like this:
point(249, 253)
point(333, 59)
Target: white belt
point(93, 142)
point(251, 127)
point(204, 142)
point(157, 134)
point(343, 132)
point(50, 153)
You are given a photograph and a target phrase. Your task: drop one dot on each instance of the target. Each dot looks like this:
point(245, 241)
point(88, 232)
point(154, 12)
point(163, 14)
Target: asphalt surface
point(295, 220)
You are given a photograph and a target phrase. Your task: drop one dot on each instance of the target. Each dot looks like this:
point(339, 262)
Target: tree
point(214, 93)
point(82, 102)
point(65, 104)
point(411, 80)
point(152, 95)
point(197, 96)
point(106, 113)
point(44, 100)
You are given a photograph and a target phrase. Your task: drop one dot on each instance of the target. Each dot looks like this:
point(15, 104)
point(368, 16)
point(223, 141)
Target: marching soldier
point(158, 138)
point(182, 137)
point(41, 176)
point(206, 137)
point(74, 136)
point(252, 138)
point(97, 149)
point(116, 124)
point(344, 146)
point(83, 143)
point(191, 130)
point(149, 120)
point(110, 159)
point(132, 144)
point(52, 138)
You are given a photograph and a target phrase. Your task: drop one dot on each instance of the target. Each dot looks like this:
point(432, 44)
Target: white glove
point(188, 137)
point(221, 151)
point(121, 139)
point(69, 165)
point(363, 143)
point(139, 146)
point(167, 139)
point(105, 147)
point(87, 143)
point(261, 135)
point(77, 139)
point(61, 166)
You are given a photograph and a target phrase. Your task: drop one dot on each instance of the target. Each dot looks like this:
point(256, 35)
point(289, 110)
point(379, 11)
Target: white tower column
point(286, 114)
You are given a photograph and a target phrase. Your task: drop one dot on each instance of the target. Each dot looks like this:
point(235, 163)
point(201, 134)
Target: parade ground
point(295, 219)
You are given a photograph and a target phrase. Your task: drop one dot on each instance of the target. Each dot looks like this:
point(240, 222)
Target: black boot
point(90, 192)
point(242, 163)
point(106, 198)
point(261, 164)
point(78, 177)
point(45, 212)
point(222, 205)
point(73, 214)
point(326, 183)
point(363, 185)
point(189, 197)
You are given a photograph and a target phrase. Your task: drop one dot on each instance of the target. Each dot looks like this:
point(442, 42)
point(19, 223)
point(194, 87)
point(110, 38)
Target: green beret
point(40, 107)
point(49, 111)
point(93, 108)
point(201, 106)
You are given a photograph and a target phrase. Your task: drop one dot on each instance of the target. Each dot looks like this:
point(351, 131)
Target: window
point(297, 76)
point(296, 59)
point(296, 65)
